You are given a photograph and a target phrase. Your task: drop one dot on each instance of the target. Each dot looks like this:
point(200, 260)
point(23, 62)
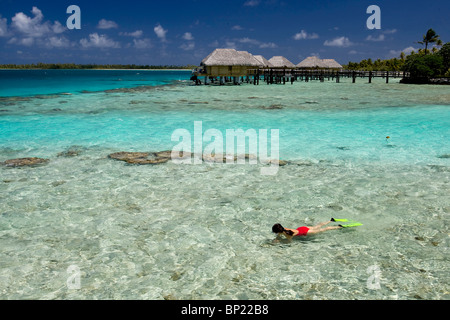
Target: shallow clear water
point(204, 231)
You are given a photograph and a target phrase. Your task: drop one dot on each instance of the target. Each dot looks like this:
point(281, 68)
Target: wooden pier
point(283, 76)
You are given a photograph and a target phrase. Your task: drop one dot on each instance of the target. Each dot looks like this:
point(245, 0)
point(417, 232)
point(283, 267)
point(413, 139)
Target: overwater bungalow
point(333, 64)
point(312, 63)
point(281, 62)
point(264, 63)
point(227, 63)
point(316, 63)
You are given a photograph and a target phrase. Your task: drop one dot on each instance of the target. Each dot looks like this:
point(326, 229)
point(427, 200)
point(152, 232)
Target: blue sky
point(184, 32)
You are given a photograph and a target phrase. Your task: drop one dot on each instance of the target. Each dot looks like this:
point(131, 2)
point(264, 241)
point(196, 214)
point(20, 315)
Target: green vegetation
point(430, 37)
point(445, 54)
point(424, 64)
point(89, 66)
point(394, 64)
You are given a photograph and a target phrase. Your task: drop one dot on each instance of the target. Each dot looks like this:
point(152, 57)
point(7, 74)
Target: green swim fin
point(339, 220)
point(356, 224)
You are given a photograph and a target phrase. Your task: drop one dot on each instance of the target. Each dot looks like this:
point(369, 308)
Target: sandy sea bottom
point(204, 231)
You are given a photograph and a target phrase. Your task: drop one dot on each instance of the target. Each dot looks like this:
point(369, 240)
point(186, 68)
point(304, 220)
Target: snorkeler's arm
point(277, 239)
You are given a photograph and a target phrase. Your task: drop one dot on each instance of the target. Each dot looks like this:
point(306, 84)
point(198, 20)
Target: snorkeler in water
point(303, 231)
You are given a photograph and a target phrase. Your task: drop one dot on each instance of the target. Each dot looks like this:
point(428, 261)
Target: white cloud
point(268, 45)
point(258, 43)
point(408, 50)
point(3, 27)
point(381, 37)
point(27, 41)
point(58, 42)
point(188, 46)
point(237, 28)
point(390, 31)
point(160, 32)
point(341, 42)
point(30, 26)
point(188, 36)
point(135, 34)
point(303, 35)
point(99, 41)
point(29, 31)
point(249, 41)
point(252, 3)
point(58, 28)
point(214, 44)
point(35, 27)
point(142, 43)
point(107, 24)
point(230, 45)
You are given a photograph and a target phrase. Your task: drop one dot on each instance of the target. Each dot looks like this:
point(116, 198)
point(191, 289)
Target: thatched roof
point(264, 63)
point(312, 62)
point(332, 64)
point(230, 57)
point(250, 59)
point(281, 62)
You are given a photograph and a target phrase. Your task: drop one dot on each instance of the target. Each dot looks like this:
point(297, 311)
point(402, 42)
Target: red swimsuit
point(302, 231)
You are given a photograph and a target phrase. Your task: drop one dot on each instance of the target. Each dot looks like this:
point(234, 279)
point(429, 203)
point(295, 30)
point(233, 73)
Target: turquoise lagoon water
point(204, 231)
point(44, 82)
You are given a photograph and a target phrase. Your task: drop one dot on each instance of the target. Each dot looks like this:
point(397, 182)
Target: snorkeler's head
point(277, 228)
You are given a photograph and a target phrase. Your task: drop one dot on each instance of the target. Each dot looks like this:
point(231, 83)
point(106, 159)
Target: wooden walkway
point(271, 76)
point(281, 76)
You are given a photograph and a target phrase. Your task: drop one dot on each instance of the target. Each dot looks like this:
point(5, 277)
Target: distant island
point(73, 66)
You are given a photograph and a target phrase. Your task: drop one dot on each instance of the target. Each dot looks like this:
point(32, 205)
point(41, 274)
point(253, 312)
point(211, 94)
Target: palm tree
point(430, 37)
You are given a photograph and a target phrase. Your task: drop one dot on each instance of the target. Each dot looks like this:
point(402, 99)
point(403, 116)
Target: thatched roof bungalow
point(312, 63)
point(332, 64)
point(281, 62)
point(316, 63)
point(264, 63)
point(229, 63)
